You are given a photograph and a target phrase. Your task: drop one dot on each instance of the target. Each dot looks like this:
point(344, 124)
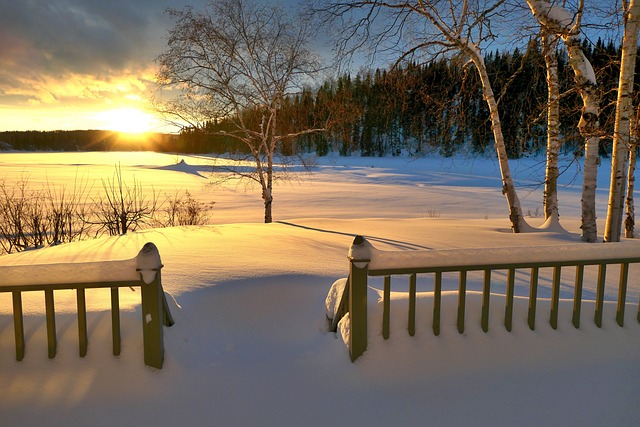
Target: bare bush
point(67, 213)
point(123, 207)
point(13, 200)
point(34, 218)
point(183, 209)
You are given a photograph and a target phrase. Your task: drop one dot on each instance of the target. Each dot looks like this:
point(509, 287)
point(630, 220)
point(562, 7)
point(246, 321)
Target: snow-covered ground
point(250, 347)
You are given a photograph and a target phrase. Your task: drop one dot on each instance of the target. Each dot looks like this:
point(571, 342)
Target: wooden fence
point(143, 271)
point(366, 261)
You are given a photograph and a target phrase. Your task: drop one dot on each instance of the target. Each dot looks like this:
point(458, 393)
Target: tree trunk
point(588, 126)
point(553, 128)
point(629, 222)
point(268, 202)
point(518, 223)
point(622, 131)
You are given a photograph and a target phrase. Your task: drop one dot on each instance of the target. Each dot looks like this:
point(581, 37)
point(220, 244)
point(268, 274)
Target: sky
point(80, 64)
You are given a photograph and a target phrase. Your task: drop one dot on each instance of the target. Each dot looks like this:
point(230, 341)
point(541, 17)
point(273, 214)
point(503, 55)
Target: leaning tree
point(458, 28)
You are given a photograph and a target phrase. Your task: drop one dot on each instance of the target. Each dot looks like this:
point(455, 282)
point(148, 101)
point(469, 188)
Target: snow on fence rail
point(144, 271)
point(347, 299)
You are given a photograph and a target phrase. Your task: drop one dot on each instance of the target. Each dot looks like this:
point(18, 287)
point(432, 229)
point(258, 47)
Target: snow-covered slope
point(250, 347)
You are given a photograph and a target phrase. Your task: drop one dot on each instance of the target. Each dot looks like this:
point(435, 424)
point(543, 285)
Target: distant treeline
point(83, 140)
point(413, 108)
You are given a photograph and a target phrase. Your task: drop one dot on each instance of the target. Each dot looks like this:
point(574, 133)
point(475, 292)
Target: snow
point(394, 260)
point(561, 21)
point(22, 270)
point(563, 18)
point(148, 262)
point(250, 345)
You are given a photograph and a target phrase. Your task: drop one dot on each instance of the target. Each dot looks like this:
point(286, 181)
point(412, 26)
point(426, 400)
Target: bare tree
point(238, 61)
point(556, 19)
point(622, 127)
point(407, 28)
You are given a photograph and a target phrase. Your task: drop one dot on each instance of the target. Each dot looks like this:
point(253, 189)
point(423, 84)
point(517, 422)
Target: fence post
point(359, 257)
point(153, 304)
point(152, 321)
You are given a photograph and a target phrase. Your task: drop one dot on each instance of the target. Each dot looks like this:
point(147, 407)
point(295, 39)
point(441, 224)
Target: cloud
point(51, 50)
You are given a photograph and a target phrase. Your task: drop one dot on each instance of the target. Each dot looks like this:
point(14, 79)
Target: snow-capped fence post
point(153, 305)
point(359, 261)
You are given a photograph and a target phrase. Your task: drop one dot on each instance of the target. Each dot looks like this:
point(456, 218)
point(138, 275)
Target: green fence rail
point(144, 271)
point(367, 261)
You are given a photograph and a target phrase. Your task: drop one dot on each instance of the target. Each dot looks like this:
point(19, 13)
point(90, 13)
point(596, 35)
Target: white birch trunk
point(622, 128)
point(551, 212)
point(588, 126)
point(518, 223)
point(630, 220)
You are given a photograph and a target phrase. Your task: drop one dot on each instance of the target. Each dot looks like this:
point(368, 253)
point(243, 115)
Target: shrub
point(123, 207)
point(183, 209)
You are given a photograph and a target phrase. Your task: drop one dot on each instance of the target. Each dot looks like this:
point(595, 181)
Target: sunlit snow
point(250, 345)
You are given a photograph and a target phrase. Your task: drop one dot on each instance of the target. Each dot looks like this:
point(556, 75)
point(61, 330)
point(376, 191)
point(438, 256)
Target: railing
point(144, 271)
point(365, 261)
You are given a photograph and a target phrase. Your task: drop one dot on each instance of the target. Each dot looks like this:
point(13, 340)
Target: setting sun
point(127, 120)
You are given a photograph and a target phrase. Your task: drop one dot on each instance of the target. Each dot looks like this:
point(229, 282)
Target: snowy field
point(250, 347)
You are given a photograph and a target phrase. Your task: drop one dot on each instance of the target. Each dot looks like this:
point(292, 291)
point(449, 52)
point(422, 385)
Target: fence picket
point(387, 307)
point(115, 321)
point(462, 294)
point(555, 297)
point(82, 322)
point(577, 296)
point(412, 305)
point(533, 298)
point(437, 302)
point(18, 324)
point(508, 311)
point(50, 315)
point(622, 293)
point(602, 273)
point(486, 298)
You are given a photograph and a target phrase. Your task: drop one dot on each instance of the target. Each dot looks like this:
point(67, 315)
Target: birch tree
point(238, 61)
point(558, 20)
point(549, 46)
point(622, 126)
point(431, 27)
point(629, 222)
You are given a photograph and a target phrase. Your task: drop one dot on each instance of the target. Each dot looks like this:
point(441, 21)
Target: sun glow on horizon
point(128, 120)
